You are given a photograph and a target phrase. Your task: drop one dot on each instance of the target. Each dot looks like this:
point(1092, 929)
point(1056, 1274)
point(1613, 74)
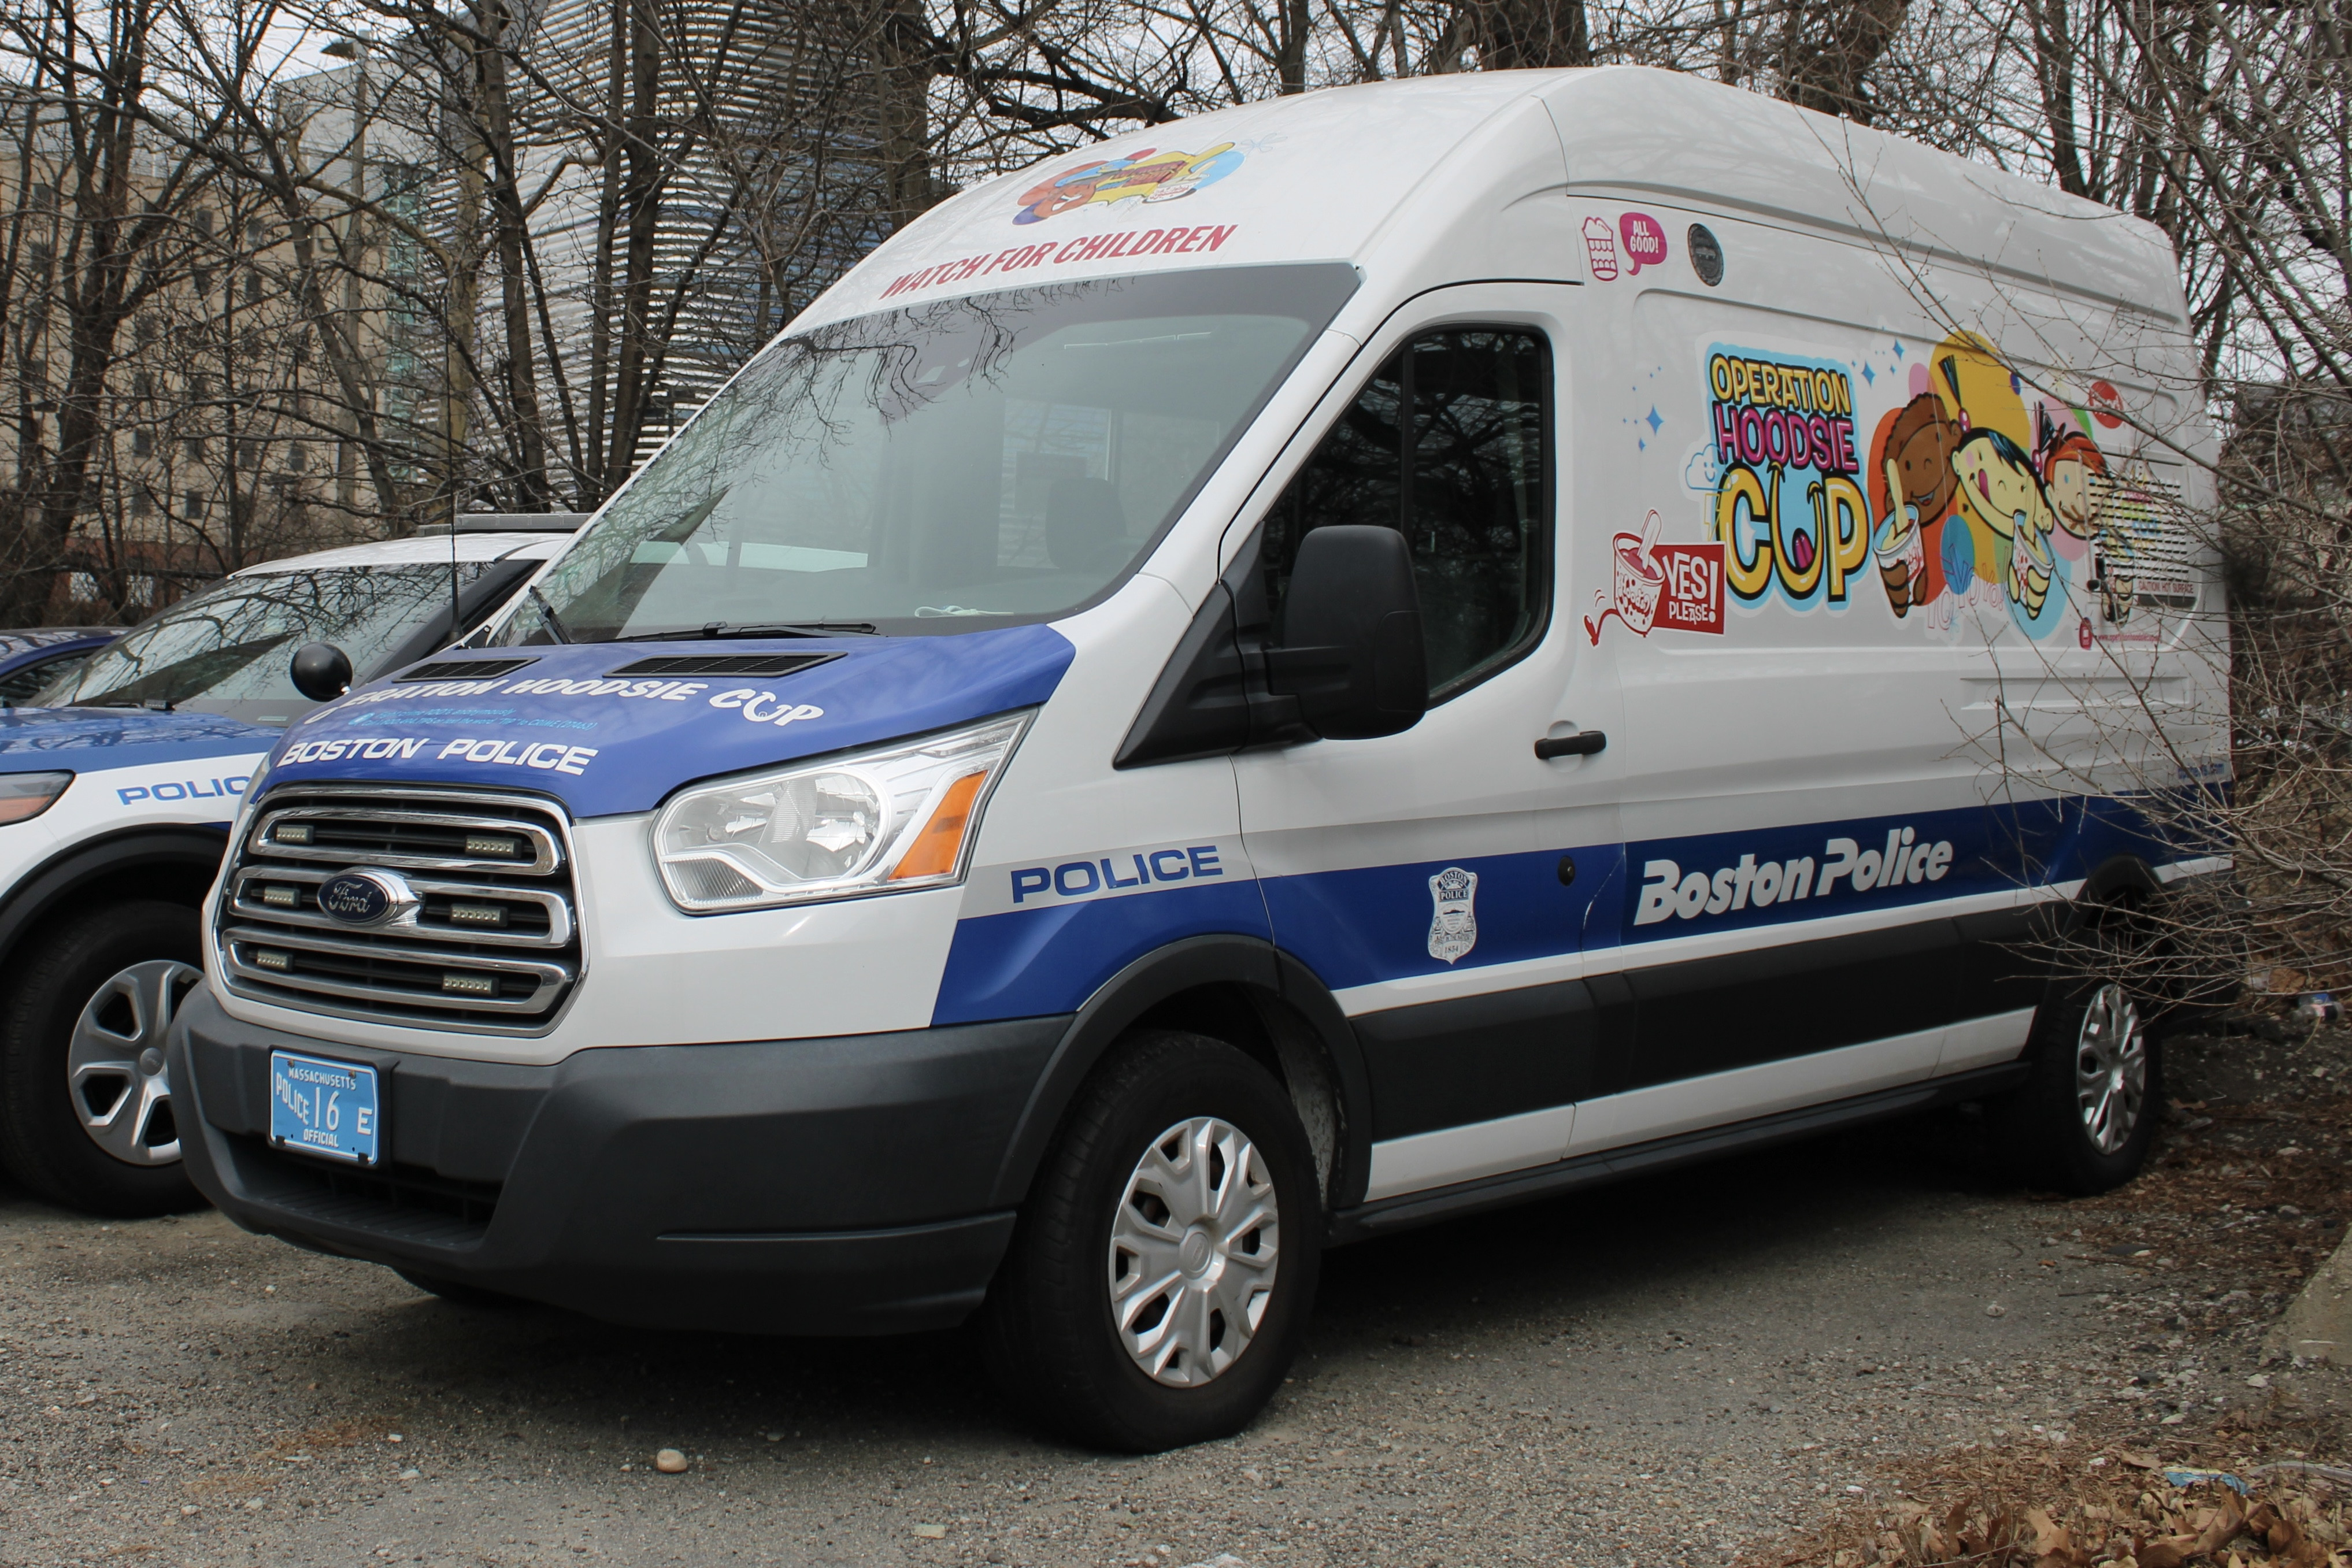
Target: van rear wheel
point(2084, 1123)
point(1160, 1276)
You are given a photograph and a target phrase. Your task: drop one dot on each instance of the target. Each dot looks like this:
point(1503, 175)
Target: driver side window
point(1450, 444)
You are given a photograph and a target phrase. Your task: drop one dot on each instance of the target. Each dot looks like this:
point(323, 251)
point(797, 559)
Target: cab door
point(1438, 881)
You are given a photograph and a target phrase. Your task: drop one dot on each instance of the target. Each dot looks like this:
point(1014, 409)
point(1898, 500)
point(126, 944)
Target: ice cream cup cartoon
point(1600, 248)
point(1901, 561)
point(2030, 567)
point(1637, 580)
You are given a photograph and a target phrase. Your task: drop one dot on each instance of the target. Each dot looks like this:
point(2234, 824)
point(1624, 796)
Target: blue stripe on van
point(1773, 876)
point(1370, 924)
point(1031, 962)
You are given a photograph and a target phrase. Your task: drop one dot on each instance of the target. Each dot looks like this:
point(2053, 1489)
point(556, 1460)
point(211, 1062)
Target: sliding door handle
point(1584, 743)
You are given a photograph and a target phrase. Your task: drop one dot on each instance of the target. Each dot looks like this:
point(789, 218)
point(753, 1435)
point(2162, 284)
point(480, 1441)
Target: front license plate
point(324, 1107)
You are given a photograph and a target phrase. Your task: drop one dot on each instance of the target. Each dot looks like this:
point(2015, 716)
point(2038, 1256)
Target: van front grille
point(444, 908)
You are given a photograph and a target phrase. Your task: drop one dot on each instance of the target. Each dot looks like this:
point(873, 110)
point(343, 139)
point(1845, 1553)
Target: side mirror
point(1352, 652)
point(321, 672)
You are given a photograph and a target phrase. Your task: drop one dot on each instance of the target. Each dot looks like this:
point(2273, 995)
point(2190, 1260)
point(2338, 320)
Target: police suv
point(117, 788)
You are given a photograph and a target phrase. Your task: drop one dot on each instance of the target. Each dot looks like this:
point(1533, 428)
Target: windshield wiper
point(554, 621)
point(759, 629)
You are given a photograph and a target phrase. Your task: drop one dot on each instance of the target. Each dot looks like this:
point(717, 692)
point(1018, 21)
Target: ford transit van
point(1295, 673)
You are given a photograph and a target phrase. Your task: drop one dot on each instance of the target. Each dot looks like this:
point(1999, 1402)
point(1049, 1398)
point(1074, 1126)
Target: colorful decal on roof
point(1148, 175)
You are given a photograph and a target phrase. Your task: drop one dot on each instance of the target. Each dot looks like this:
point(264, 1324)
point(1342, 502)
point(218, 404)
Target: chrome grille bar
point(415, 925)
point(276, 836)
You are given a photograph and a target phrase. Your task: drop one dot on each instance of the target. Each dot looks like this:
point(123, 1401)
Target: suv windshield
point(943, 467)
point(228, 651)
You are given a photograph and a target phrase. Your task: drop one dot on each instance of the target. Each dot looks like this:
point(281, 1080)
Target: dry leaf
point(2049, 1536)
point(2220, 1527)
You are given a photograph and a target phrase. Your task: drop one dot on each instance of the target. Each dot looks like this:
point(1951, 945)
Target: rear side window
point(19, 685)
point(1450, 444)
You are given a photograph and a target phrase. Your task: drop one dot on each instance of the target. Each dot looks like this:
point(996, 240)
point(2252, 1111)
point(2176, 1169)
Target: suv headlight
point(898, 817)
point(24, 796)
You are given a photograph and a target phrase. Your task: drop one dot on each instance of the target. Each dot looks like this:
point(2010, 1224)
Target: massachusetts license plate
point(324, 1107)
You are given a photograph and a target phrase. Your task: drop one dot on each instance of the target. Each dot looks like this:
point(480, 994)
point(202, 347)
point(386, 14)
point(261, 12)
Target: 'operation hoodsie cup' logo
point(1147, 175)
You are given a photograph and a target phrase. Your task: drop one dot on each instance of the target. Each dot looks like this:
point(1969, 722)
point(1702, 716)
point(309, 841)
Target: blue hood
point(561, 721)
point(91, 739)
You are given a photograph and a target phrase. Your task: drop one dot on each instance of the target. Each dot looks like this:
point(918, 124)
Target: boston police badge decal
point(1454, 928)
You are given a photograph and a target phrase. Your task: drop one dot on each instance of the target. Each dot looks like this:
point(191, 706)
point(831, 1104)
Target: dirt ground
point(1764, 1360)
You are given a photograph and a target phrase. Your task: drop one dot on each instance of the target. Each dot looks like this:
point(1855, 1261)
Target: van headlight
point(898, 817)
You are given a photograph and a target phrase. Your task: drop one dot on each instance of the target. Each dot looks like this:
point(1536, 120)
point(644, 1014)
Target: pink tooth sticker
point(1645, 241)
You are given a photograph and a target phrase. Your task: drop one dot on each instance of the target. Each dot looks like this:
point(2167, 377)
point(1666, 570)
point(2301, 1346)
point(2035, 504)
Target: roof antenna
point(456, 624)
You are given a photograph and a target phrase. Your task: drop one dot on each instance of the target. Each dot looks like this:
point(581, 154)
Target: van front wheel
point(1160, 1276)
point(2085, 1121)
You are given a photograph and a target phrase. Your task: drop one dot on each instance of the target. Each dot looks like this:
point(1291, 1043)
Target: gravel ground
point(1668, 1372)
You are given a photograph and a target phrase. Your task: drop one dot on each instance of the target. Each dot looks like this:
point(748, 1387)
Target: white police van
point(1299, 673)
point(116, 794)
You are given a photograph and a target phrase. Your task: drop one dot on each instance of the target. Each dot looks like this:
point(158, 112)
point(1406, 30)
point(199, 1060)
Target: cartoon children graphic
point(2070, 461)
point(1963, 504)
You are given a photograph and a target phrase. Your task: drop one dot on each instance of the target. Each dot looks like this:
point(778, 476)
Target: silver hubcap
point(114, 1066)
point(1193, 1251)
point(2111, 1068)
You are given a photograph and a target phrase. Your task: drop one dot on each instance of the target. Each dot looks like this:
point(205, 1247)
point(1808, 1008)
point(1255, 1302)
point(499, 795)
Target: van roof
point(1385, 174)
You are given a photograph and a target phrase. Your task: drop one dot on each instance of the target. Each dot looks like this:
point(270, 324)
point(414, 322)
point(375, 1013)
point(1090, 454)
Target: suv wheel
point(1159, 1278)
point(86, 1113)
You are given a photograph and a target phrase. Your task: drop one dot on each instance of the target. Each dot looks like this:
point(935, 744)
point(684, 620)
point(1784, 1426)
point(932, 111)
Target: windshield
point(942, 467)
point(228, 651)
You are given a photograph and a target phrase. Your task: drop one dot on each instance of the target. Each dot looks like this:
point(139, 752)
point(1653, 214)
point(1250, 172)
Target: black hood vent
point(466, 669)
point(725, 665)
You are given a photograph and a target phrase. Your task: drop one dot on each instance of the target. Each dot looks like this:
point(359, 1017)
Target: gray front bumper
point(796, 1186)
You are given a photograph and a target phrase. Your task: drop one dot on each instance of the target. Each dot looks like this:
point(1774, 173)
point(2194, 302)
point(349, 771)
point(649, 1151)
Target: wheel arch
point(1240, 989)
point(176, 864)
point(2120, 880)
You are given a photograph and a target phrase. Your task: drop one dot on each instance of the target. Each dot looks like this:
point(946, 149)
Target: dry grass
point(2250, 1188)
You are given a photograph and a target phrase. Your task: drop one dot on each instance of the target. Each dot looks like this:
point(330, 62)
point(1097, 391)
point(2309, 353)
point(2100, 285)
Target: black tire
point(42, 1000)
point(459, 1294)
point(2049, 1130)
point(1052, 1341)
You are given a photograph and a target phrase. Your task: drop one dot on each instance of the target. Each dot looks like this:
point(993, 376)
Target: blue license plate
point(324, 1107)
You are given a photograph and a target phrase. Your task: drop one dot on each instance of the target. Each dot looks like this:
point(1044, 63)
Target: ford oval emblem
point(364, 897)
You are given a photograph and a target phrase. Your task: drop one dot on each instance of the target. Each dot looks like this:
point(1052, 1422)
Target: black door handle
point(1584, 743)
